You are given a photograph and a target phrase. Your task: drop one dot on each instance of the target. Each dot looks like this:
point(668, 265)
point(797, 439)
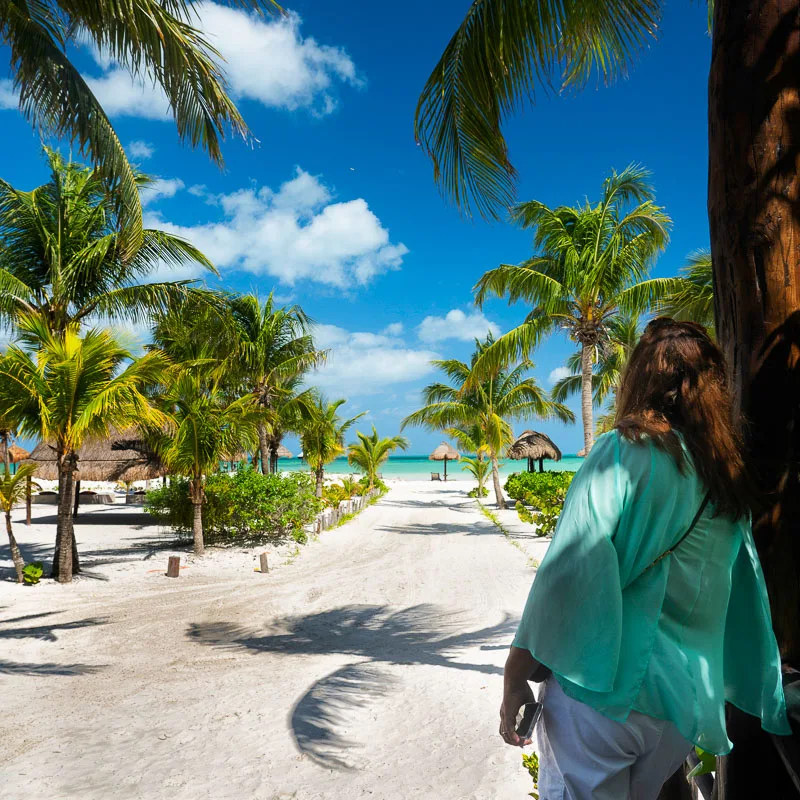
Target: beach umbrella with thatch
point(444, 452)
point(534, 446)
point(15, 453)
point(582, 453)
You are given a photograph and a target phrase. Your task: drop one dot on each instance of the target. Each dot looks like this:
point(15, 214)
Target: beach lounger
point(435, 476)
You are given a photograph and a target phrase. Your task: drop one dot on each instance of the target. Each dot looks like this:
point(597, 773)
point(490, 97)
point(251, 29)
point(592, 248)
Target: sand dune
point(369, 665)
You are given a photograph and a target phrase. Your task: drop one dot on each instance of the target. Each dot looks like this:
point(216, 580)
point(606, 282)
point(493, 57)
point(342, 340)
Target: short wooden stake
point(174, 567)
point(263, 559)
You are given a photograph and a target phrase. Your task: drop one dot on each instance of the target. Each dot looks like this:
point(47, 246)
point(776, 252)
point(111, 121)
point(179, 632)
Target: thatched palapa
point(123, 456)
point(444, 452)
point(283, 452)
point(534, 446)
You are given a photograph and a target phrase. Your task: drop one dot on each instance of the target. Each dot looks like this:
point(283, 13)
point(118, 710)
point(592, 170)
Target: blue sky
point(334, 206)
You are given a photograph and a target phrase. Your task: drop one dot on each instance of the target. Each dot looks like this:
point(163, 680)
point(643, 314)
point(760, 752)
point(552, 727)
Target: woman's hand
point(516, 692)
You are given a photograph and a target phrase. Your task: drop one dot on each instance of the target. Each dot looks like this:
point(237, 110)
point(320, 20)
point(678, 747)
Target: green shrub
point(476, 492)
point(32, 573)
point(540, 497)
point(521, 482)
point(247, 506)
point(531, 763)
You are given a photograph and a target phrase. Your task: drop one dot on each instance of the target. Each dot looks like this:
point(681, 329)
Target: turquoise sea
point(415, 468)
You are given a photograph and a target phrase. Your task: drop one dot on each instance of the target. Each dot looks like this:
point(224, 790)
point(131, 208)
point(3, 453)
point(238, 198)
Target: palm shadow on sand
point(378, 635)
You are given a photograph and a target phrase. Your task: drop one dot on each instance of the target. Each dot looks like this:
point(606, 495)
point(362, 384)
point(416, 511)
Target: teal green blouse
point(675, 641)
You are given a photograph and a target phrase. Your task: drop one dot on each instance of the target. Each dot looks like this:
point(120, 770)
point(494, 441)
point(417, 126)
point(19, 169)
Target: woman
point(650, 607)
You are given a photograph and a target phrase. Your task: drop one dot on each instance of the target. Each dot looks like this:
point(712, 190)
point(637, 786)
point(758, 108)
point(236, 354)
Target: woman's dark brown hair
point(676, 380)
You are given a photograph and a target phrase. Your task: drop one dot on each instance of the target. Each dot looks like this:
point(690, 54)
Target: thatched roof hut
point(123, 456)
point(534, 446)
point(283, 452)
point(15, 453)
point(444, 452)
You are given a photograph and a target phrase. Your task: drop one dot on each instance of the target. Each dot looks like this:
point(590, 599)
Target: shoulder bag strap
point(688, 531)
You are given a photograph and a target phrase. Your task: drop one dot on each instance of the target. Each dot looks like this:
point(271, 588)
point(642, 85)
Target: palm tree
point(70, 389)
point(489, 402)
point(13, 490)
point(479, 469)
point(273, 350)
point(152, 39)
point(64, 256)
point(371, 451)
point(591, 265)
point(693, 300)
point(322, 435)
point(609, 362)
point(205, 427)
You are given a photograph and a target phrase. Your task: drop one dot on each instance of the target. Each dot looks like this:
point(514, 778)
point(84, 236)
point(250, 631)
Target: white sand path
point(370, 666)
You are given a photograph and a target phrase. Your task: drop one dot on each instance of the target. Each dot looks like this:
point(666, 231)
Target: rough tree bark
point(64, 565)
point(498, 489)
point(586, 398)
point(16, 556)
point(263, 445)
point(320, 473)
point(197, 495)
point(754, 216)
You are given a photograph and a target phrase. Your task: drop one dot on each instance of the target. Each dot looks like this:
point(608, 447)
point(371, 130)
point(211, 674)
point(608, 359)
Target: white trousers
point(586, 756)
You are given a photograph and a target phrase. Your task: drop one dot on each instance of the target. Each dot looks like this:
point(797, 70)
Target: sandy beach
point(365, 664)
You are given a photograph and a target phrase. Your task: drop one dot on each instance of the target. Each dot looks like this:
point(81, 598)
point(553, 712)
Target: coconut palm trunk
point(586, 397)
point(320, 473)
point(16, 556)
point(6, 454)
point(754, 218)
point(263, 447)
point(273, 455)
point(498, 489)
point(65, 562)
point(197, 496)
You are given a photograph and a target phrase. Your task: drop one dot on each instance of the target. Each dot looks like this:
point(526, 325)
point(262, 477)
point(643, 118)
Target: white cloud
point(558, 374)
point(266, 60)
point(456, 325)
point(362, 363)
point(161, 187)
point(395, 329)
point(141, 150)
point(8, 97)
point(295, 233)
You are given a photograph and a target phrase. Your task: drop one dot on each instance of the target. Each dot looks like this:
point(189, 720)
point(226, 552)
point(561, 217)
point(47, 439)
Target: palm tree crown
point(490, 402)
point(371, 451)
point(693, 299)
point(62, 253)
point(591, 264)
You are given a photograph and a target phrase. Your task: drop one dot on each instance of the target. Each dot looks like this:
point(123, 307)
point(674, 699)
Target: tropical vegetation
point(540, 497)
point(693, 297)
point(591, 265)
point(13, 490)
point(154, 40)
point(479, 469)
point(65, 388)
point(65, 256)
point(322, 435)
point(371, 451)
point(489, 401)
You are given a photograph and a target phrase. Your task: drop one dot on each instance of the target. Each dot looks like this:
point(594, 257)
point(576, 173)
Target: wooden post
point(445, 467)
point(541, 465)
point(77, 498)
point(174, 567)
point(28, 501)
point(264, 566)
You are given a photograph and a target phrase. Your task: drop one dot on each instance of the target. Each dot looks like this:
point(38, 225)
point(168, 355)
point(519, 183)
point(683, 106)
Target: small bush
point(540, 497)
point(32, 573)
point(531, 763)
point(247, 506)
point(476, 492)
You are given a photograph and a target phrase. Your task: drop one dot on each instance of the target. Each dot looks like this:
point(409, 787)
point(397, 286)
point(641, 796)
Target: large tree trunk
point(754, 217)
point(273, 455)
point(586, 397)
point(16, 556)
point(65, 532)
point(6, 454)
point(197, 495)
point(320, 473)
point(498, 489)
point(263, 446)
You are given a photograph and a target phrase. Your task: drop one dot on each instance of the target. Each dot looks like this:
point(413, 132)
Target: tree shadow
point(46, 632)
point(379, 635)
point(34, 670)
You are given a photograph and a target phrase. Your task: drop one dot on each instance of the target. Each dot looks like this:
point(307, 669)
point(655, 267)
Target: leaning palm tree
point(70, 389)
point(13, 490)
point(63, 253)
point(154, 40)
point(205, 427)
point(693, 299)
point(322, 435)
point(273, 350)
point(489, 402)
point(371, 451)
point(591, 264)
